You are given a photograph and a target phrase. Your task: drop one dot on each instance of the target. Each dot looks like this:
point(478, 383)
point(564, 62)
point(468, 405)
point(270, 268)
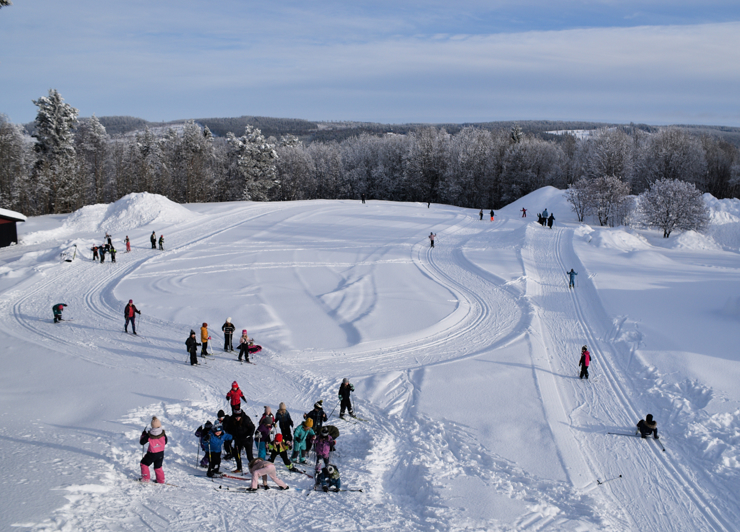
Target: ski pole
point(143, 452)
point(607, 480)
point(333, 409)
point(620, 434)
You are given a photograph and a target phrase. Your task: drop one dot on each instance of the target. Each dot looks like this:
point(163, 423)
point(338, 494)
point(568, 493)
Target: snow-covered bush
point(673, 204)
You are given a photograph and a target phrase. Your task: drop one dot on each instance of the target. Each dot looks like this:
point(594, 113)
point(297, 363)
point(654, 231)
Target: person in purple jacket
point(157, 440)
point(323, 446)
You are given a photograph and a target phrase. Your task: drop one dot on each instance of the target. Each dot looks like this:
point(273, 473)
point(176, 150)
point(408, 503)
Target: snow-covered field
point(464, 360)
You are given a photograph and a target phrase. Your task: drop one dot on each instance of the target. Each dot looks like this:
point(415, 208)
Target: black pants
point(132, 319)
point(584, 371)
point(214, 463)
point(193, 357)
point(154, 244)
point(203, 349)
point(153, 458)
point(57, 318)
point(432, 241)
point(283, 455)
point(346, 404)
point(227, 341)
point(248, 446)
point(244, 351)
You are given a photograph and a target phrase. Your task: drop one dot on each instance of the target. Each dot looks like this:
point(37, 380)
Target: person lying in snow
point(329, 478)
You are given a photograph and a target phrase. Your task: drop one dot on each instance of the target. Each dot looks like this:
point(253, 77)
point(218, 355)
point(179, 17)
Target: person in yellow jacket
point(204, 339)
point(280, 447)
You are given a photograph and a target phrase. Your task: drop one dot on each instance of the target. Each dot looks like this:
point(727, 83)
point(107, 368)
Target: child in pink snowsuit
point(157, 440)
point(262, 468)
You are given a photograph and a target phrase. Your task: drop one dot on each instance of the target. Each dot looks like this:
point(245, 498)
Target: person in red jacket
point(130, 313)
point(585, 361)
point(235, 397)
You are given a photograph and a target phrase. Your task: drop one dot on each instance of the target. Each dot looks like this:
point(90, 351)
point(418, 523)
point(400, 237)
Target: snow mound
point(622, 240)
point(549, 198)
point(134, 210)
point(724, 221)
point(695, 241)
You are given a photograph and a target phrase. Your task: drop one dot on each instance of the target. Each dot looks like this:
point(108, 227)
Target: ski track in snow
point(402, 459)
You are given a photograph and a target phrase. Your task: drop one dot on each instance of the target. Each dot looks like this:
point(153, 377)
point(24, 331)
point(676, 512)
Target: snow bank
point(724, 220)
point(130, 212)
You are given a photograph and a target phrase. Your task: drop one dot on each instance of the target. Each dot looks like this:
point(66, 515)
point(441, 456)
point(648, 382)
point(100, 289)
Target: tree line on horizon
point(74, 162)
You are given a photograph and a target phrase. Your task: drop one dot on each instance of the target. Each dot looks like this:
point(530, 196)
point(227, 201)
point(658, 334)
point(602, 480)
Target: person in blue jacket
point(572, 275)
point(215, 444)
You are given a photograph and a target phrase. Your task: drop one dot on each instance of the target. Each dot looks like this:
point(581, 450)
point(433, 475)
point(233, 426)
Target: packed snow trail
point(582, 412)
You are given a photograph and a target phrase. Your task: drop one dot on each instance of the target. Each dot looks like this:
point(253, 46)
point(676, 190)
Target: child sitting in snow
point(329, 478)
point(157, 440)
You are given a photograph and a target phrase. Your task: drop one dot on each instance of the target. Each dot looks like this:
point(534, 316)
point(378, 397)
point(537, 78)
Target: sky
point(655, 62)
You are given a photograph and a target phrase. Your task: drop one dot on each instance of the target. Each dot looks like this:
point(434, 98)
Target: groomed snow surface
point(464, 359)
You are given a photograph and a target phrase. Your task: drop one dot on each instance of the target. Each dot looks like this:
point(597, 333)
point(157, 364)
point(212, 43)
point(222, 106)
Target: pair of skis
point(635, 435)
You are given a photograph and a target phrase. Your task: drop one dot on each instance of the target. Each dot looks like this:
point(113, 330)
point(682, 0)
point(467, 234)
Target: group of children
point(246, 344)
point(274, 436)
point(543, 218)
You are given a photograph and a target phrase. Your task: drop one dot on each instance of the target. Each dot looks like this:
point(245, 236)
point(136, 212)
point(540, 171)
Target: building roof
point(12, 215)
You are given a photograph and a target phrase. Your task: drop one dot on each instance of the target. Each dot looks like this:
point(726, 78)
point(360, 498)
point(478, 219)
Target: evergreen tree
point(57, 181)
point(15, 192)
point(256, 159)
point(92, 142)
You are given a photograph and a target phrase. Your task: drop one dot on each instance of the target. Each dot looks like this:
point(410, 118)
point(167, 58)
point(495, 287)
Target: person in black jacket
point(242, 430)
point(550, 220)
point(228, 329)
point(153, 240)
point(130, 313)
point(192, 345)
point(648, 426)
point(285, 422)
point(345, 389)
point(318, 416)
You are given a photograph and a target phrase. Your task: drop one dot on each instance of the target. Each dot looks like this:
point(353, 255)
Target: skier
point(153, 240)
point(329, 478)
point(235, 397)
point(285, 422)
point(280, 447)
point(204, 339)
point(345, 389)
point(57, 310)
point(261, 468)
point(222, 418)
point(244, 343)
point(481, 214)
point(192, 345)
point(128, 244)
point(109, 239)
point(585, 362)
point(363, 197)
point(541, 220)
point(203, 433)
point(228, 330)
point(432, 236)
point(241, 429)
point(524, 213)
point(323, 446)
point(94, 249)
point(130, 313)
point(491, 214)
point(550, 220)
point(648, 426)
point(103, 251)
point(161, 242)
point(572, 275)
point(317, 415)
point(267, 421)
point(157, 440)
point(301, 436)
point(215, 444)
point(544, 213)
point(112, 254)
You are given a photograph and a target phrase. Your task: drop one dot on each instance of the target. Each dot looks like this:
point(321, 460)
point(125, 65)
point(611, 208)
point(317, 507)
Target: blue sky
point(403, 61)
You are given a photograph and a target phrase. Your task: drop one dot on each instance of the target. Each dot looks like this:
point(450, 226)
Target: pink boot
point(145, 473)
point(159, 474)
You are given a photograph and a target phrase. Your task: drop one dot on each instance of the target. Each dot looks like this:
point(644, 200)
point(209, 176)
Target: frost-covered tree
point(57, 182)
point(670, 154)
point(92, 145)
point(327, 166)
point(606, 197)
point(529, 165)
point(516, 135)
point(5, 3)
point(426, 162)
point(15, 189)
point(673, 204)
point(295, 171)
point(256, 159)
point(196, 162)
point(578, 197)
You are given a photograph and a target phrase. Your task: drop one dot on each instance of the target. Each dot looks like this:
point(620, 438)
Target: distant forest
point(71, 162)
